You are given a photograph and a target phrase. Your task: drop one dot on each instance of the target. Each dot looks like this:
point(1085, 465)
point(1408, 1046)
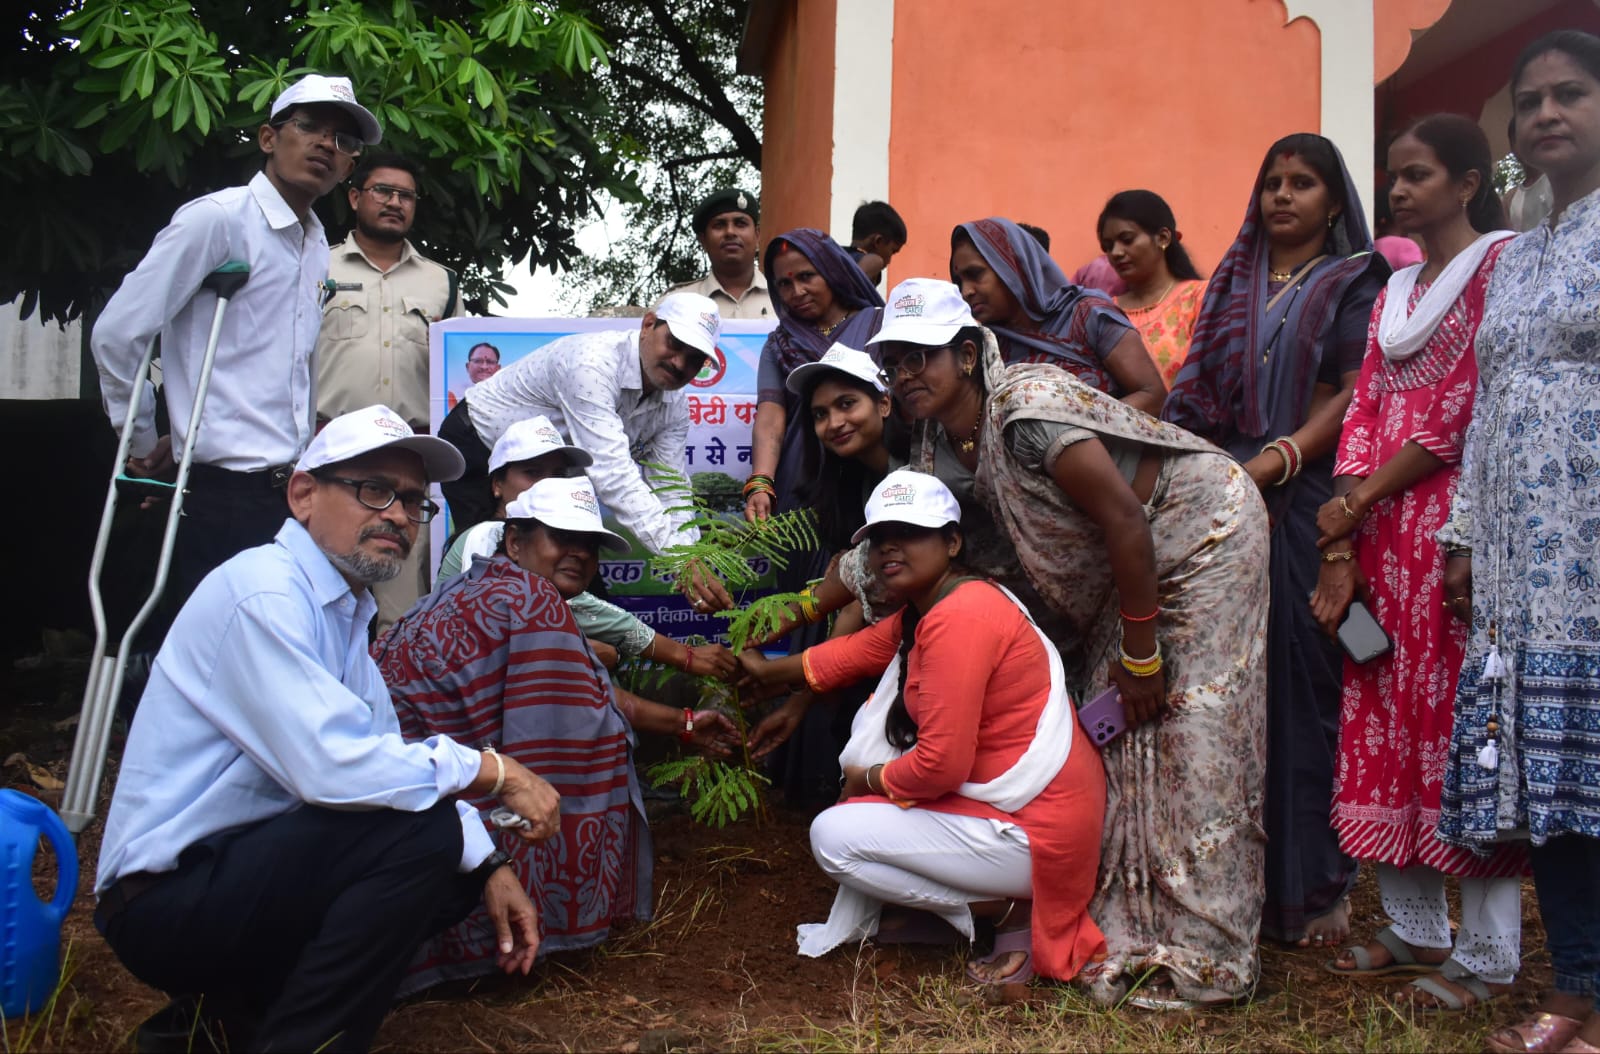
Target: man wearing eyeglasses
point(275, 851)
point(258, 415)
point(374, 342)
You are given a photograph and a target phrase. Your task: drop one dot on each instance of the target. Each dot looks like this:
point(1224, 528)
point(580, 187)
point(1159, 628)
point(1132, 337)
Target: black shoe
point(181, 1028)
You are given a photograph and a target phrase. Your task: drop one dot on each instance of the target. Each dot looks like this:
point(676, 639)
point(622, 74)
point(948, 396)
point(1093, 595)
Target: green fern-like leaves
point(717, 793)
point(762, 618)
point(726, 546)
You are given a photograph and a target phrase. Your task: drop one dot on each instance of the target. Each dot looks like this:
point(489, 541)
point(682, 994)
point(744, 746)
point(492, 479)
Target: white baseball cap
point(531, 438)
point(924, 311)
point(378, 428)
point(566, 505)
point(907, 496)
point(693, 319)
point(838, 359)
point(315, 88)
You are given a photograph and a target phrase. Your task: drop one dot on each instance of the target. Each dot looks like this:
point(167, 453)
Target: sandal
point(1402, 960)
point(1004, 944)
point(1542, 1033)
point(1446, 999)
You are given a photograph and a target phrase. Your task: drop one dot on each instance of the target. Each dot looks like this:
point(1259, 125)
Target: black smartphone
point(1360, 635)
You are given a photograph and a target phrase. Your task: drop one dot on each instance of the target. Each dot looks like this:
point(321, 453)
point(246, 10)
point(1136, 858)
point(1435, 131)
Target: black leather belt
point(210, 477)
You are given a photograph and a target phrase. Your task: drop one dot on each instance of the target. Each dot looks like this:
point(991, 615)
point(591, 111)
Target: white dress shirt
point(256, 412)
point(590, 387)
point(264, 698)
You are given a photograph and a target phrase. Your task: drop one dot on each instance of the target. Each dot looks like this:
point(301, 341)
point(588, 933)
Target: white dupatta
point(855, 915)
point(1402, 336)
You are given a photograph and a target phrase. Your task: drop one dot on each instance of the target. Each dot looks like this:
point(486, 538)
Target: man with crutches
point(258, 412)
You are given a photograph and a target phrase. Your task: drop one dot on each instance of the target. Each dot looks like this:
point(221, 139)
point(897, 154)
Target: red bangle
point(688, 657)
point(687, 735)
point(1143, 618)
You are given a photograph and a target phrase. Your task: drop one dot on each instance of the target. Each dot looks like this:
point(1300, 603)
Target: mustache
point(384, 531)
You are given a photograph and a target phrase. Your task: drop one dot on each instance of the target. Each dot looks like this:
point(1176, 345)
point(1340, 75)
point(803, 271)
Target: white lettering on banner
point(621, 572)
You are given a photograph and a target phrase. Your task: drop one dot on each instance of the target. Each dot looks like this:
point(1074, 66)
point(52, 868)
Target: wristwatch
point(491, 863)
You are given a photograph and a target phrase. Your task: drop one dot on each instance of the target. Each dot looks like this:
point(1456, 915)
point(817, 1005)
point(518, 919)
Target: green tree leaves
point(116, 112)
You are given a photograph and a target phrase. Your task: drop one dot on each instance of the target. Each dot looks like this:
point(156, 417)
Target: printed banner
point(722, 408)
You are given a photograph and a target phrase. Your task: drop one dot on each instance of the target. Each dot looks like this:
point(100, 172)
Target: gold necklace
point(966, 445)
point(827, 331)
point(1279, 276)
point(1150, 304)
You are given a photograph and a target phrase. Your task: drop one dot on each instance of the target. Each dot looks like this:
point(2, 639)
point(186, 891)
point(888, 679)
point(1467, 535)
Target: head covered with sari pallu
point(1225, 389)
point(798, 341)
point(1045, 294)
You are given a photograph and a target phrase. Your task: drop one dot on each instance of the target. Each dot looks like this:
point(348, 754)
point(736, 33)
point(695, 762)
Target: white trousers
point(1489, 941)
point(932, 861)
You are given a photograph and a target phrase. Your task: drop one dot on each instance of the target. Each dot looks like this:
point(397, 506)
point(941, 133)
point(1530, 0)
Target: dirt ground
point(717, 968)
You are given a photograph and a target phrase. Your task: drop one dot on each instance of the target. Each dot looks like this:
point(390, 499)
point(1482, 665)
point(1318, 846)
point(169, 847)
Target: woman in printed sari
point(1148, 546)
point(1015, 288)
point(1272, 365)
point(494, 659)
point(969, 789)
point(1525, 760)
point(1399, 457)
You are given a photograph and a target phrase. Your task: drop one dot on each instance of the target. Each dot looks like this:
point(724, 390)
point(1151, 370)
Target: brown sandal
point(1542, 1033)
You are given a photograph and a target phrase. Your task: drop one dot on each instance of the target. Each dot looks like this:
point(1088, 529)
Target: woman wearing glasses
point(449, 666)
point(1149, 547)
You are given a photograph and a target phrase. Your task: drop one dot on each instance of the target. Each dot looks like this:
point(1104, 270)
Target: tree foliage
point(115, 112)
point(686, 119)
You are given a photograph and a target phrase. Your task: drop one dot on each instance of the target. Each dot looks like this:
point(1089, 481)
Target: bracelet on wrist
point(1141, 667)
point(688, 657)
point(1458, 550)
point(1140, 618)
point(1335, 557)
point(687, 735)
point(1344, 507)
point(499, 772)
point(808, 605)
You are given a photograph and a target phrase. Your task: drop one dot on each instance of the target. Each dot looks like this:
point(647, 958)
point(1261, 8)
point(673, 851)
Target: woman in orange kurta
point(926, 830)
point(1140, 238)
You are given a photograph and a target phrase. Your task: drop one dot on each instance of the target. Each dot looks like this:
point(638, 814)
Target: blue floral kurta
point(1528, 503)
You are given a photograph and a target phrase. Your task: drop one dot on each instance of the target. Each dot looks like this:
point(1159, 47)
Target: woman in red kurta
point(975, 695)
point(1399, 456)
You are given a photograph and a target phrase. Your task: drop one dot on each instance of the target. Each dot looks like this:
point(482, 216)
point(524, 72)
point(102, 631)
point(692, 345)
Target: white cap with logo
point(924, 311)
point(531, 438)
point(379, 428)
point(839, 359)
point(907, 496)
point(338, 91)
point(693, 319)
point(566, 505)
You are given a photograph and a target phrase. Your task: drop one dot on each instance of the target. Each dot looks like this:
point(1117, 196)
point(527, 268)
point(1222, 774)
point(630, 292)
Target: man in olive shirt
point(374, 342)
point(727, 223)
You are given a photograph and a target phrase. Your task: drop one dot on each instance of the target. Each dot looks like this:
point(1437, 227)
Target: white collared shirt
point(256, 413)
point(263, 698)
point(590, 387)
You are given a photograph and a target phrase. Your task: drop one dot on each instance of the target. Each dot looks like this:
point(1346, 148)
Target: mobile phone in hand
point(1103, 717)
point(1360, 635)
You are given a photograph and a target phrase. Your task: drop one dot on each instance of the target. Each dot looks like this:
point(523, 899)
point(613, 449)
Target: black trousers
point(299, 927)
point(471, 497)
point(224, 514)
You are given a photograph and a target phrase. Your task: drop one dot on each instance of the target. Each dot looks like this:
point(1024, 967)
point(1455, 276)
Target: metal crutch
point(106, 671)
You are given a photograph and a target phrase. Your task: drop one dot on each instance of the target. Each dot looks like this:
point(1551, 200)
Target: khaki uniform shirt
point(374, 342)
point(755, 303)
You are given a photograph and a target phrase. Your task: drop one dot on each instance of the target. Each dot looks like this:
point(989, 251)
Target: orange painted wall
point(1393, 22)
point(1039, 110)
point(797, 151)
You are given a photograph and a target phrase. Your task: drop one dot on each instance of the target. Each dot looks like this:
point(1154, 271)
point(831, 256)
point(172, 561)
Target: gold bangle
point(808, 604)
point(1344, 506)
point(1333, 558)
point(1141, 667)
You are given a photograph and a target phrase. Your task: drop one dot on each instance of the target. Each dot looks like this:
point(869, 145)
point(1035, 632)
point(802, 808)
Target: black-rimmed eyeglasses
point(377, 496)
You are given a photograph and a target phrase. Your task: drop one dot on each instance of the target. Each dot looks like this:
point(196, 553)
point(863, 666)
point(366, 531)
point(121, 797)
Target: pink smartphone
point(1102, 717)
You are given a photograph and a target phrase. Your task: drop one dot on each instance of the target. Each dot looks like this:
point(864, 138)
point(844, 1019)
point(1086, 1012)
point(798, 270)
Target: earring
point(966, 371)
point(1333, 217)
